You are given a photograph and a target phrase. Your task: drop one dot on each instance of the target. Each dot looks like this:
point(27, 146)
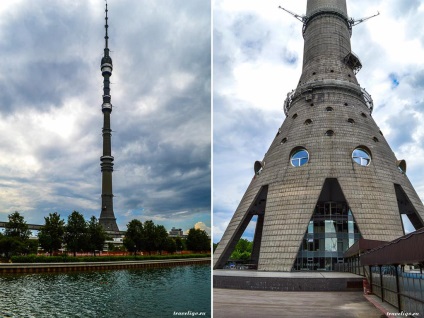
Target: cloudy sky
point(257, 56)
point(51, 119)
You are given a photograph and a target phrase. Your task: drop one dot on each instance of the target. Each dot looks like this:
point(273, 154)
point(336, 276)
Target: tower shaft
point(107, 217)
point(327, 33)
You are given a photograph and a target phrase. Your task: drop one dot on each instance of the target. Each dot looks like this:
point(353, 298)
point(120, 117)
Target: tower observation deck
point(329, 176)
point(107, 217)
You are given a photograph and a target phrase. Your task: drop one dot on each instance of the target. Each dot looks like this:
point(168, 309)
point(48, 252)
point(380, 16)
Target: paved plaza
point(230, 303)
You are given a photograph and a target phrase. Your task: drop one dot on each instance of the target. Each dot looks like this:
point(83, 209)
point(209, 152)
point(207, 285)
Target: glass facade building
point(331, 231)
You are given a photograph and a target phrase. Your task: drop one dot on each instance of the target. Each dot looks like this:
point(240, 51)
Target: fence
point(404, 290)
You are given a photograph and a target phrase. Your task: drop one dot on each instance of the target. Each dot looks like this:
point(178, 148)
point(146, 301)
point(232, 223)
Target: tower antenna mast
point(354, 22)
point(297, 16)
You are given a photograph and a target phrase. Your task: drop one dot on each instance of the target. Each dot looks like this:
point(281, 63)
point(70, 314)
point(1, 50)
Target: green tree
point(1, 244)
point(170, 246)
point(244, 245)
point(150, 236)
point(52, 233)
point(237, 255)
point(134, 236)
point(10, 245)
point(31, 247)
point(161, 238)
point(243, 250)
point(76, 233)
point(114, 248)
point(215, 245)
point(17, 227)
point(96, 235)
point(179, 243)
point(15, 240)
point(198, 240)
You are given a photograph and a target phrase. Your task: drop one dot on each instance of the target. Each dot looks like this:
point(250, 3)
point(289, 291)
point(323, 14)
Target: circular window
point(363, 115)
point(329, 109)
point(299, 157)
point(294, 116)
point(375, 139)
point(284, 140)
point(350, 120)
point(329, 133)
point(361, 156)
point(308, 122)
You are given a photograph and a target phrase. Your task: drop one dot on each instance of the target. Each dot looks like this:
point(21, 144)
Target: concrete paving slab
point(229, 303)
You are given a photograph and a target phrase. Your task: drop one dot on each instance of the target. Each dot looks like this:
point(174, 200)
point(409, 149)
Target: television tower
point(329, 177)
point(107, 217)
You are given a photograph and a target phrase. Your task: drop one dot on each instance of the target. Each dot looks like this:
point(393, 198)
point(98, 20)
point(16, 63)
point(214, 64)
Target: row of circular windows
point(331, 132)
point(330, 109)
point(300, 156)
point(361, 155)
point(331, 71)
point(350, 120)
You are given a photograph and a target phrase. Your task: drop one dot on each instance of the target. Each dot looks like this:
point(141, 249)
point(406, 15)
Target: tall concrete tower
point(329, 177)
point(107, 217)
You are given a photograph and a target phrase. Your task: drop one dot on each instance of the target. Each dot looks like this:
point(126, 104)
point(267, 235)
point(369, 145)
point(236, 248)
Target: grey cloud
point(289, 57)
point(401, 8)
point(244, 129)
point(403, 126)
point(417, 80)
point(160, 50)
point(42, 56)
point(251, 33)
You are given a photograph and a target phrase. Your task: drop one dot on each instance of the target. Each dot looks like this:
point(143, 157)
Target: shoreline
point(19, 268)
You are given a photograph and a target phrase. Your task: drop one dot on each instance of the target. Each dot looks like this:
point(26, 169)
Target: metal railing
point(403, 290)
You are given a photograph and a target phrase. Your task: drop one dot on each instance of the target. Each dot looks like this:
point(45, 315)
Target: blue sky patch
point(394, 80)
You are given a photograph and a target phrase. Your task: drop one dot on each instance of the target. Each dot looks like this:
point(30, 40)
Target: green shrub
point(65, 259)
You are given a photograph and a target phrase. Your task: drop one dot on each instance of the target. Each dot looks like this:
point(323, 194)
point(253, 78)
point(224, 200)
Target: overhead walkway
point(393, 269)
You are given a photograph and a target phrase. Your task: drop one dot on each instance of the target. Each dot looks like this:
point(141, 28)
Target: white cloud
point(202, 226)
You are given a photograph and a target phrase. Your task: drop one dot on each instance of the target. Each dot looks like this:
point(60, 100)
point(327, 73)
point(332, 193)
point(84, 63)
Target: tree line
point(79, 235)
point(242, 250)
point(148, 237)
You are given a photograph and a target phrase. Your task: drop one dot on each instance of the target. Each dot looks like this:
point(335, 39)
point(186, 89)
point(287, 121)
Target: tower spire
point(106, 36)
point(107, 217)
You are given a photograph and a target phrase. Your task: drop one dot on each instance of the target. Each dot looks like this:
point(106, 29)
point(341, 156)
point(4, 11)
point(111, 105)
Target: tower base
point(109, 224)
point(287, 281)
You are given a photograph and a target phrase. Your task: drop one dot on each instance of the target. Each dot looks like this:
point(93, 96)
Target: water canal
point(109, 293)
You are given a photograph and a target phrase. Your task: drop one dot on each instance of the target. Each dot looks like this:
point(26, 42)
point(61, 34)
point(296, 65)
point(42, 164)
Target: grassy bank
point(67, 259)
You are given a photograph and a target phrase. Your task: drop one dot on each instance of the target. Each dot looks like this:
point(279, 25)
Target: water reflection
point(118, 293)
